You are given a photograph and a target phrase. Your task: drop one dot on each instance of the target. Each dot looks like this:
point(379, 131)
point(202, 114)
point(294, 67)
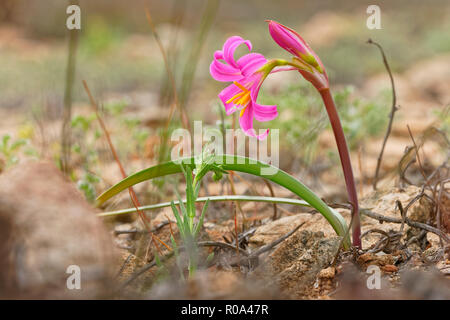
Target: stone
point(275, 229)
point(327, 273)
point(46, 226)
point(296, 263)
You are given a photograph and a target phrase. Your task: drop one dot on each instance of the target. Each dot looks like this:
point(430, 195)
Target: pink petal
point(291, 41)
point(255, 83)
point(263, 135)
point(246, 123)
point(218, 55)
point(288, 39)
point(251, 62)
point(230, 46)
point(264, 113)
point(223, 72)
point(226, 94)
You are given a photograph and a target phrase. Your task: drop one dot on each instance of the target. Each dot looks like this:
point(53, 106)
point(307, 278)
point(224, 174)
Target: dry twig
point(391, 115)
point(410, 223)
point(183, 115)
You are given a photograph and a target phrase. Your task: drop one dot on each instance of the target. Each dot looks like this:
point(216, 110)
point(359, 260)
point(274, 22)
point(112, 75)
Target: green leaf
point(5, 140)
point(241, 164)
point(197, 190)
point(209, 257)
point(178, 218)
point(190, 203)
point(158, 261)
point(200, 221)
point(182, 206)
point(174, 246)
point(211, 198)
point(177, 256)
point(17, 144)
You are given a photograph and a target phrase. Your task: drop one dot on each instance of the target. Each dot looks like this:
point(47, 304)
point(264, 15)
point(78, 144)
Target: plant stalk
point(345, 161)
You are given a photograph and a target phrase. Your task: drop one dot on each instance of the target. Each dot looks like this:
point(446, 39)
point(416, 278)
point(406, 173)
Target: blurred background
point(42, 69)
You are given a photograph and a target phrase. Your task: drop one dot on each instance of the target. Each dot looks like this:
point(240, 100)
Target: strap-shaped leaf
point(178, 218)
point(200, 221)
point(241, 164)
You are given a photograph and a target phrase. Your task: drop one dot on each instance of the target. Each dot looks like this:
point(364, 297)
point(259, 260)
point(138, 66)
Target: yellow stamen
point(245, 98)
point(237, 96)
point(242, 111)
point(242, 98)
point(240, 86)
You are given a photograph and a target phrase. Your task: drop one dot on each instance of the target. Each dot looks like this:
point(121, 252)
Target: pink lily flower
point(247, 75)
point(305, 58)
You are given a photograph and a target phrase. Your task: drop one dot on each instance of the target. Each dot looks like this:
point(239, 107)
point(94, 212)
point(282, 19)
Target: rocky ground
point(46, 225)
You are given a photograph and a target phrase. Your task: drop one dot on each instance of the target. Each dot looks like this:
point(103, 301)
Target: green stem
point(192, 267)
point(241, 164)
point(345, 161)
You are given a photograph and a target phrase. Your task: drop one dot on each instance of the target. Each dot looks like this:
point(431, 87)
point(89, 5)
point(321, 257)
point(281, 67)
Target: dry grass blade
point(194, 56)
point(183, 115)
point(146, 221)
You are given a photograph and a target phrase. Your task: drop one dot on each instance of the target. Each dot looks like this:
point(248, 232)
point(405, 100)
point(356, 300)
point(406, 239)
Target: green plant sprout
point(185, 219)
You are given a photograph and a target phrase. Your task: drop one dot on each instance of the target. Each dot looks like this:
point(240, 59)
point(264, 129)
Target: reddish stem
point(345, 161)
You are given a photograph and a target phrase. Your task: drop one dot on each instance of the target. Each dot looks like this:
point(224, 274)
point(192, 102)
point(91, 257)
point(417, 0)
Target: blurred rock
point(429, 285)
point(46, 226)
point(275, 229)
point(297, 262)
point(217, 284)
point(353, 285)
point(445, 211)
point(425, 285)
point(325, 28)
point(430, 78)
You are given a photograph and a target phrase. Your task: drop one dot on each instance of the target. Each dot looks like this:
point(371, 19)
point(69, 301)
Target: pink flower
point(307, 61)
point(247, 75)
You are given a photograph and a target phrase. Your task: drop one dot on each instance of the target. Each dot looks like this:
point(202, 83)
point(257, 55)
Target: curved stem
point(345, 161)
point(242, 164)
